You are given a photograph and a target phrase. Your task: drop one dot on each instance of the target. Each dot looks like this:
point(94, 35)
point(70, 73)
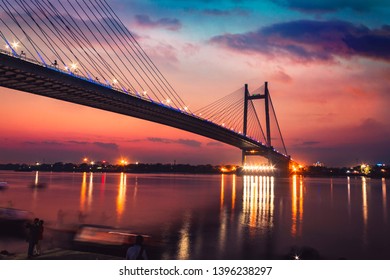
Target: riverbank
point(58, 254)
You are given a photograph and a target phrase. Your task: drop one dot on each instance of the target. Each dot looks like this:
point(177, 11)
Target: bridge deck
point(20, 74)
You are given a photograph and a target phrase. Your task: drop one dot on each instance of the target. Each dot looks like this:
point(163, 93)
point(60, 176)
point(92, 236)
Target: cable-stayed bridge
point(81, 52)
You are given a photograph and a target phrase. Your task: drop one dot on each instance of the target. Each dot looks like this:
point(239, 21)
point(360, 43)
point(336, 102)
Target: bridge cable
point(257, 119)
point(101, 34)
point(28, 12)
point(12, 17)
point(141, 49)
point(114, 41)
point(218, 103)
point(136, 54)
point(225, 115)
point(124, 55)
point(49, 44)
point(61, 37)
point(277, 123)
point(81, 43)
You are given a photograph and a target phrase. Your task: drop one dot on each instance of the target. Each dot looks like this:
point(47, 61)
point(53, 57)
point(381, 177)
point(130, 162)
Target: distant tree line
point(375, 171)
point(105, 167)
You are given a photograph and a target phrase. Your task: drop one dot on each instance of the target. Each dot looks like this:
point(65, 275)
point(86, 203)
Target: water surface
point(216, 216)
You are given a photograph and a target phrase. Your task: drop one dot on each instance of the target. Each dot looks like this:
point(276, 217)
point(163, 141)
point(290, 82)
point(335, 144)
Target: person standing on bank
point(137, 251)
point(40, 237)
point(33, 235)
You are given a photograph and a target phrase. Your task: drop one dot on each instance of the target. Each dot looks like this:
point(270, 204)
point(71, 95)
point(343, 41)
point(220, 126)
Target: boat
point(104, 235)
point(104, 239)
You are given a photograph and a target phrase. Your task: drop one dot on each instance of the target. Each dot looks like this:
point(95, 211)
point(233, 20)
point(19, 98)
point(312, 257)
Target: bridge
point(57, 58)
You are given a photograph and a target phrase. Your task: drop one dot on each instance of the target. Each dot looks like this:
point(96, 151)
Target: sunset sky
point(327, 64)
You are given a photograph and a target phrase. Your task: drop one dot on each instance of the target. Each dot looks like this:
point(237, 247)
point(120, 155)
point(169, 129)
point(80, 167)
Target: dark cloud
point(188, 142)
point(185, 142)
point(308, 40)
point(78, 142)
point(325, 6)
point(49, 143)
point(109, 146)
point(214, 144)
point(160, 140)
point(310, 143)
point(167, 23)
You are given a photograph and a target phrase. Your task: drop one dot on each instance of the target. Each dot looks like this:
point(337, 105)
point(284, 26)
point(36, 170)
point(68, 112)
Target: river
point(216, 216)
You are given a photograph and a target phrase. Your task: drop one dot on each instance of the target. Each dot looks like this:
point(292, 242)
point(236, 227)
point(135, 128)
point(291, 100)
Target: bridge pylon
point(248, 97)
point(281, 163)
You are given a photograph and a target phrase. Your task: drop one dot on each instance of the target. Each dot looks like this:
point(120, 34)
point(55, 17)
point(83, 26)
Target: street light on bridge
point(15, 45)
point(73, 67)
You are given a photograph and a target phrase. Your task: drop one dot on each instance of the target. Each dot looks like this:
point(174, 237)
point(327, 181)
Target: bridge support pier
point(243, 158)
point(281, 164)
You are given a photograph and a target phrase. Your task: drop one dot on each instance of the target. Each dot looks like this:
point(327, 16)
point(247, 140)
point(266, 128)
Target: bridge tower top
point(267, 108)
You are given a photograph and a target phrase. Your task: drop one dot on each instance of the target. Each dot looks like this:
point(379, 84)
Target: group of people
point(34, 237)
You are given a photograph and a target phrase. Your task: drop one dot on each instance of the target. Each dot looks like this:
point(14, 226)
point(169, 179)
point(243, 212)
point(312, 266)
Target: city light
point(259, 168)
point(227, 169)
point(365, 169)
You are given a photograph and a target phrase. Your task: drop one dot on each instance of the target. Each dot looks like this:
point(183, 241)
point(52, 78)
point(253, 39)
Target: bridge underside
point(282, 164)
point(22, 75)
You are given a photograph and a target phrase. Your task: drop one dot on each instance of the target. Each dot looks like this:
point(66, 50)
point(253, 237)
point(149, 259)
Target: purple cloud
point(308, 40)
point(167, 23)
point(325, 6)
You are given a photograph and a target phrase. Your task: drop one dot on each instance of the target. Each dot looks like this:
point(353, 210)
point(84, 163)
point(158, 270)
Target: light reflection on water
point(121, 198)
point(297, 206)
point(384, 200)
point(364, 209)
point(217, 216)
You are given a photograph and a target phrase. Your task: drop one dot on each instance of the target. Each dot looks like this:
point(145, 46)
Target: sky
point(327, 64)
